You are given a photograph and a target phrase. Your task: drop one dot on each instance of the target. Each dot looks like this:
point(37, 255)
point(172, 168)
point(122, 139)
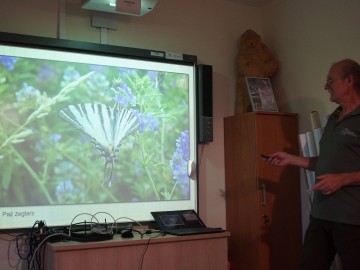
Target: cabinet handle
point(266, 219)
point(263, 187)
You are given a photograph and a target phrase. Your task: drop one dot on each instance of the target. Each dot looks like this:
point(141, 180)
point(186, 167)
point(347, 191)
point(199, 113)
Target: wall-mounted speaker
point(204, 85)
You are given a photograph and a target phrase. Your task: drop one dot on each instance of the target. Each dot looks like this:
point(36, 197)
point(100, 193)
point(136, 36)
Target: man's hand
point(329, 183)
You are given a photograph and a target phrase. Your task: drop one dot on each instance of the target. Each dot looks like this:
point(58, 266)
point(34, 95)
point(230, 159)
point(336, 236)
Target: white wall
point(308, 36)
point(206, 28)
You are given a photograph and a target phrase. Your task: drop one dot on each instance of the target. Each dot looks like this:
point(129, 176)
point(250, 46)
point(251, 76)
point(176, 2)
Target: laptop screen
point(179, 219)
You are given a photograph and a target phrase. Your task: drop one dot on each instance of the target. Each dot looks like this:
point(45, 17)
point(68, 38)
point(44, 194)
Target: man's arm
point(285, 159)
point(332, 182)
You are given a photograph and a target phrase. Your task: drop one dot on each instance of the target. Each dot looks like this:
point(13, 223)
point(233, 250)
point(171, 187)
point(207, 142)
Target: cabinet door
point(242, 192)
point(279, 193)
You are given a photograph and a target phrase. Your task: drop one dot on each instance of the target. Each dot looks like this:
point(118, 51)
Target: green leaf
point(6, 177)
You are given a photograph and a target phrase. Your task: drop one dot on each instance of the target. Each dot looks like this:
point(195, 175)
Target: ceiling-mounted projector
point(128, 7)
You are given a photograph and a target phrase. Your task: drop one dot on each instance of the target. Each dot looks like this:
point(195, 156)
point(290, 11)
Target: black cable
point(31, 240)
point(41, 245)
point(141, 262)
point(26, 240)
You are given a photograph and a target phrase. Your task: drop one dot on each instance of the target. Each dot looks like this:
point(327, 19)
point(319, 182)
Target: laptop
point(182, 222)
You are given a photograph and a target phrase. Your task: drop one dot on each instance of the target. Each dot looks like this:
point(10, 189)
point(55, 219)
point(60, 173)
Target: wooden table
point(200, 252)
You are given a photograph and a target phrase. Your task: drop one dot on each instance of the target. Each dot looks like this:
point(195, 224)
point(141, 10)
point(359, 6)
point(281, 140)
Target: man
point(335, 213)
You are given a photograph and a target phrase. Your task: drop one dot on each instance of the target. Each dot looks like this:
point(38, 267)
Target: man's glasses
point(330, 81)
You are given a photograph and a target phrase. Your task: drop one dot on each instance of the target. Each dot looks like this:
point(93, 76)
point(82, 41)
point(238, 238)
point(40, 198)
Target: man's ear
point(350, 79)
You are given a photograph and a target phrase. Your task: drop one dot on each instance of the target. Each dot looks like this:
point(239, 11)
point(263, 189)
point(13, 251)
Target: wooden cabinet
point(201, 252)
point(263, 209)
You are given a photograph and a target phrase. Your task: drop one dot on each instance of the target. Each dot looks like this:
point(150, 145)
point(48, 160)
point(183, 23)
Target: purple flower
point(65, 191)
point(8, 61)
point(146, 122)
point(55, 137)
point(125, 96)
point(97, 81)
point(96, 68)
point(47, 73)
point(152, 76)
point(129, 71)
point(27, 93)
point(63, 187)
point(180, 158)
point(70, 75)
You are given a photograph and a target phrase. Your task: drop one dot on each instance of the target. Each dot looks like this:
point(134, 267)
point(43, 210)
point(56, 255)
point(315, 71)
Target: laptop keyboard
point(190, 231)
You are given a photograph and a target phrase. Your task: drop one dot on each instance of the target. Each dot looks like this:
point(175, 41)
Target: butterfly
point(106, 126)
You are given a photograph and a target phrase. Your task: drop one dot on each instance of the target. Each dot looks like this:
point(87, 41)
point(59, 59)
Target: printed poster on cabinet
point(261, 94)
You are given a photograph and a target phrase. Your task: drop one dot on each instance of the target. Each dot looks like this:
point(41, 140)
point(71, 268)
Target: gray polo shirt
point(339, 152)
